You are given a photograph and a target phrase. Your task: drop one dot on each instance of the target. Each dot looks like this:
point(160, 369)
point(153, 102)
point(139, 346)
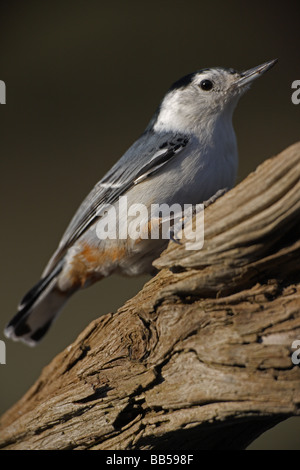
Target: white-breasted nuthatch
point(186, 154)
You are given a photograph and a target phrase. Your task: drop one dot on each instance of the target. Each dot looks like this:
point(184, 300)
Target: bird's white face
point(199, 99)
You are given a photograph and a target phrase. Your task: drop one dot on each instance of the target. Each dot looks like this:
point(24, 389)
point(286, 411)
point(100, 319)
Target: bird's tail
point(37, 310)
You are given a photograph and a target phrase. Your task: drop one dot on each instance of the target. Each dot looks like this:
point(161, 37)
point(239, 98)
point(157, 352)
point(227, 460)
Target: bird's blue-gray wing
point(144, 158)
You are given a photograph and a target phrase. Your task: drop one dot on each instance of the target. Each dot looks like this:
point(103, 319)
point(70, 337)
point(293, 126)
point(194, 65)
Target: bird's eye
point(206, 85)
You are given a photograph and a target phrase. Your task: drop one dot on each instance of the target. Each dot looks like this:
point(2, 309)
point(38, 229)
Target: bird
point(187, 153)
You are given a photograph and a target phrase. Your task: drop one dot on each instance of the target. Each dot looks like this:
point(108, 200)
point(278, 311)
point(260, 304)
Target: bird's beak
point(248, 76)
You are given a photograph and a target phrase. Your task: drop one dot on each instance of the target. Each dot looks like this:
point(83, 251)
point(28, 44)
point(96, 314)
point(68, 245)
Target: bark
point(201, 358)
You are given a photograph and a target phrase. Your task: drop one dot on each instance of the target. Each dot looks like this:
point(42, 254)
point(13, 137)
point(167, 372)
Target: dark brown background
point(83, 79)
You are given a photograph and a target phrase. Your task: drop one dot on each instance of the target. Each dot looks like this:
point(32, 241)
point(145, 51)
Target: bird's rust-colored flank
point(87, 263)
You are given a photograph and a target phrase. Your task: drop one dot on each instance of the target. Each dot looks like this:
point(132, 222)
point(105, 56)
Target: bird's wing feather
point(143, 159)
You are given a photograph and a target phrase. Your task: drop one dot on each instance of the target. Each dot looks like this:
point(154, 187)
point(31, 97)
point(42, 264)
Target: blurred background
point(83, 79)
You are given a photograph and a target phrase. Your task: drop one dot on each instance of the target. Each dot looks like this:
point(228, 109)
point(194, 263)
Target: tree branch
point(201, 357)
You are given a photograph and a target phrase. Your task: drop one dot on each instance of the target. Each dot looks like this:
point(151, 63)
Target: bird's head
point(200, 97)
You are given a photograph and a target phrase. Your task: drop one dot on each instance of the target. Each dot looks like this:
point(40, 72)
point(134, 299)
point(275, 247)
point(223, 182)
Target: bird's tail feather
point(37, 310)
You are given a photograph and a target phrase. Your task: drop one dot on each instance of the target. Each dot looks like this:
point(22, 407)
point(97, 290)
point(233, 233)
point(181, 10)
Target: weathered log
point(201, 358)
